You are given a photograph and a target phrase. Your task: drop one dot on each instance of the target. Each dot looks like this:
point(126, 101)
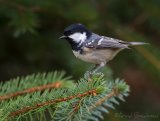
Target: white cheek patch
point(78, 37)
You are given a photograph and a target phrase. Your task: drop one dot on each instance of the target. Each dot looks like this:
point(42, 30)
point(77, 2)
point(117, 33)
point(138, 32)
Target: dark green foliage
point(29, 32)
point(38, 24)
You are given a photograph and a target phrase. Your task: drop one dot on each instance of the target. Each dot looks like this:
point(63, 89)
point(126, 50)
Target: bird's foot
point(99, 73)
point(88, 75)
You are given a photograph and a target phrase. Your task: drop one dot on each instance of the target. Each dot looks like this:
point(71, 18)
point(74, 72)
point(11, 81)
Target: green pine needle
point(67, 101)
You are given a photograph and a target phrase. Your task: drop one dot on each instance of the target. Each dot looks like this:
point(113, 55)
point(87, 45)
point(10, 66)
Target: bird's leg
point(88, 74)
point(95, 69)
point(92, 70)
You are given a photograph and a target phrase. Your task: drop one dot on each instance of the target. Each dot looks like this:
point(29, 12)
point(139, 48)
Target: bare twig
point(20, 7)
point(148, 55)
point(138, 20)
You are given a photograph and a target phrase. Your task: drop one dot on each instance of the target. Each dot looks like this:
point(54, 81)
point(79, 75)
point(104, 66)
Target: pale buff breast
point(97, 56)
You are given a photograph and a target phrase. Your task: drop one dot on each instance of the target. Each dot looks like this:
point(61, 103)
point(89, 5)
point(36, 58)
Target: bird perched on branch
point(93, 48)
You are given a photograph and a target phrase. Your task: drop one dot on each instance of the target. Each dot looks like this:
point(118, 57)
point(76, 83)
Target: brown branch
point(146, 53)
point(77, 105)
point(138, 20)
point(31, 108)
point(20, 7)
point(31, 90)
point(114, 92)
point(149, 56)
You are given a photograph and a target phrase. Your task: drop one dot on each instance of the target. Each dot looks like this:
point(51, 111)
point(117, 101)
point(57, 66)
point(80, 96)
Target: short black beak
point(63, 37)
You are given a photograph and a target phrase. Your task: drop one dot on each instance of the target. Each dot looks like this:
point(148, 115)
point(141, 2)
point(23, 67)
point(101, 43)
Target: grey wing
point(107, 42)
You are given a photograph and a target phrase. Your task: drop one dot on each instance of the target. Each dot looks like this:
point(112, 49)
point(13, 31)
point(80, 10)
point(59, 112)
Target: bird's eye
point(68, 33)
point(71, 32)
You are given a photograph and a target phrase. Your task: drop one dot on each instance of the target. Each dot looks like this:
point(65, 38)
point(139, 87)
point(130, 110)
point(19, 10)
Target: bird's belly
point(97, 56)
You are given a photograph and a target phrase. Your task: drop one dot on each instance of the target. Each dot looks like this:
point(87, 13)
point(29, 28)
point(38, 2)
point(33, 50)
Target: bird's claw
point(88, 75)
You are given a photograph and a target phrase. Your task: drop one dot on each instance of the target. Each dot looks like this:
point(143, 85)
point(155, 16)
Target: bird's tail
point(137, 43)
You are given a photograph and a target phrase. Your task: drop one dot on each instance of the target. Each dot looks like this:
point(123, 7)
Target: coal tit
point(93, 48)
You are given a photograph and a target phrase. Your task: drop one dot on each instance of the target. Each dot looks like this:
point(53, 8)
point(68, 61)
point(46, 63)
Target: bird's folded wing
point(106, 42)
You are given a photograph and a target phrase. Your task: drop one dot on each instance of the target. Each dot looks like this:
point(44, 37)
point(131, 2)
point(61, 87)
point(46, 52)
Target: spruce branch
point(57, 84)
point(65, 100)
point(102, 100)
point(26, 109)
point(40, 83)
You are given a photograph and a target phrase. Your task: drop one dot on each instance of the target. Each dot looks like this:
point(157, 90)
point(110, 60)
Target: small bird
point(93, 48)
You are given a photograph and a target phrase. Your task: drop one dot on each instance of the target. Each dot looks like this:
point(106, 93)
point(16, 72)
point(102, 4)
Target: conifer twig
point(31, 90)
point(114, 92)
point(29, 108)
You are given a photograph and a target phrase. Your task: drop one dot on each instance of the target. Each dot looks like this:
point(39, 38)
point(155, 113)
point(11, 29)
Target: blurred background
point(29, 32)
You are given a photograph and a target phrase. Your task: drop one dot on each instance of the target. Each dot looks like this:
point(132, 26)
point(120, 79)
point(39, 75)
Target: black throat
point(75, 46)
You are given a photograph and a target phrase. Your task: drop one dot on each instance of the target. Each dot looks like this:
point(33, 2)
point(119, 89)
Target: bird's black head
point(76, 33)
point(75, 28)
